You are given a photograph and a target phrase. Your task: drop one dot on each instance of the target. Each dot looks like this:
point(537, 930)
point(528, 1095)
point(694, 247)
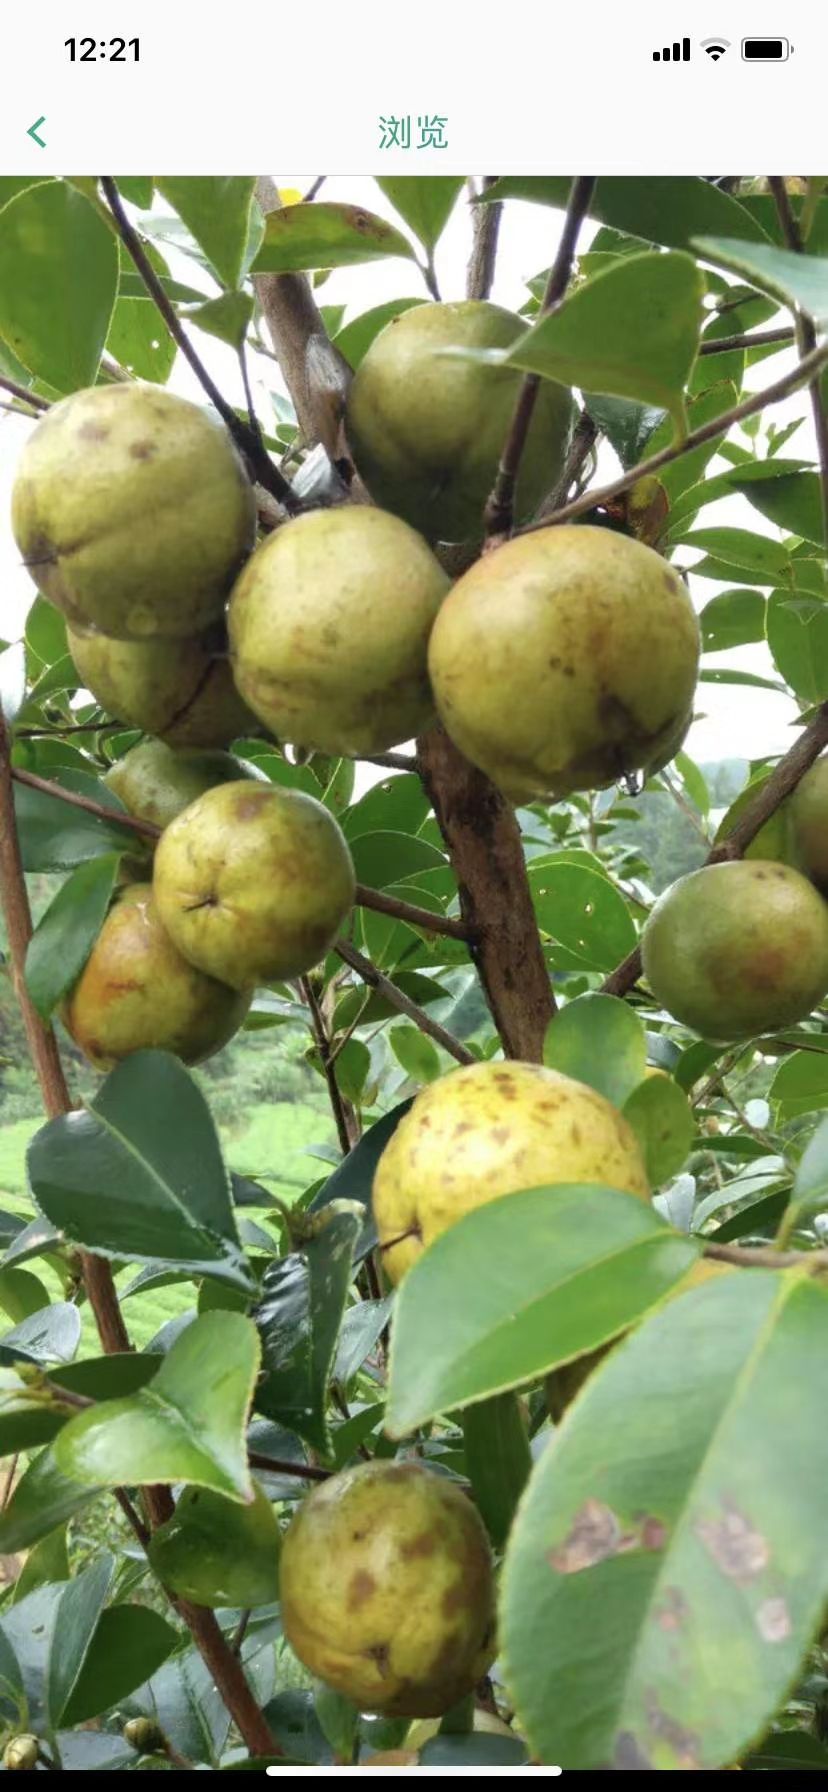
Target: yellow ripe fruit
point(387, 1589)
point(133, 510)
point(180, 690)
point(564, 660)
point(427, 427)
point(487, 1130)
point(329, 625)
point(737, 949)
point(136, 991)
point(253, 882)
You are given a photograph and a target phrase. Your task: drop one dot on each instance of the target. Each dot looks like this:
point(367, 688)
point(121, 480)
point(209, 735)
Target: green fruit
point(143, 1734)
point(738, 949)
point(564, 660)
point(215, 1552)
point(427, 428)
point(253, 883)
point(386, 1589)
point(136, 991)
point(808, 815)
point(329, 625)
point(155, 782)
point(179, 690)
point(488, 1130)
point(133, 511)
point(21, 1754)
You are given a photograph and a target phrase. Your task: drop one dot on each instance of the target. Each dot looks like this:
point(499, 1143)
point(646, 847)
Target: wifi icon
point(715, 47)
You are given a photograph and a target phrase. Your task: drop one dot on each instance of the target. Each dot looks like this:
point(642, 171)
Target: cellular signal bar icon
point(680, 52)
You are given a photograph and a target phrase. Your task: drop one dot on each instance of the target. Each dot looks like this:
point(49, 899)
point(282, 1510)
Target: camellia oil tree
point(505, 1442)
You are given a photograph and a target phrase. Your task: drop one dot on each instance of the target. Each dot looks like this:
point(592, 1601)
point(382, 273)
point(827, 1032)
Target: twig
point(806, 339)
point(131, 1516)
point(765, 1257)
point(804, 372)
point(584, 437)
point(499, 511)
point(369, 974)
point(275, 1465)
point(313, 189)
point(346, 1130)
point(241, 1632)
point(43, 1048)
point(783, 779)
point(32, 398)
point(720, 345)
point(9, 1481)
point(147, 828)
point(410, 912)
point(395, 762)
point(245, 437)
point(486, 227)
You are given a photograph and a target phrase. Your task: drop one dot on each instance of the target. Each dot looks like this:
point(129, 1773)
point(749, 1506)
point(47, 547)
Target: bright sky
point(733, 721)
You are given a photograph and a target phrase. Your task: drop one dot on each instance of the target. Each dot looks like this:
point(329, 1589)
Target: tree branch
point(275, 1465)
point(806, 339)
point(720, 345)
point(782, 781)
point(244, 435)
point(31, 398)
point(486, 229)
point(343, 1113)
point(499, 511)
point(765, 1257)
point(369, 974)
point(805, 371)
point(316, 374)
point(383, 904)
point(147, 829)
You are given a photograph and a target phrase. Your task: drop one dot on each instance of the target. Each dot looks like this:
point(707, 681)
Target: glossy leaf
point(299, 1317)
point(631, 332)
point(356, 336)
point(498, 1460)
point(798, 280)
point(58, 281)
point(216, 211)
point(676, 1572)
point(673, 210)
point(797, 632)
point(140, 341)
point(584, 913)
point(187, 1425)
point(733, 619)
point(215, 1552)
point(324, 235)
point(425, 203)
point(43, 1498)
point(227, 318)
point(524, 1283)
point(600, 1041)
point(353, 1178)
point(129, 1645)
point(64, 937)
point(140, 1174)
point(417, 1055)
point(76, 1619)
point(51, 1335)
point(793, 502)
point(56, 837)
point(662, 1119)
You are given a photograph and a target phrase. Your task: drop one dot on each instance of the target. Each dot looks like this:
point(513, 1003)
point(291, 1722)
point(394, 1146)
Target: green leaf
point(46, 632)
point(793, 502)
point(137, 189)
point(800, 281)
point(628, 427)
point(576, 1264)
point(477, 1749)
point(140, 1174)
point(21, 1294)
point(662, 1119)
point(299, 1317)
point(584, 912)
point(56, 837)
point(733, 619)
point(12, 680)
point(64, 937)
point(187, 1425)
point(227, 318)
point(215, 1552)
point(140, 341)
point(48, 1561)
point(352, 1065)
point(498, 1460)
point(58, 282)
point(417, 1055)
point(355, 337)
point(744, 550)
point(352, 1180)
point(301, 237)
point(216, 212)
point(673, 210)
point(600, 1041)
point(76, 1618)
point(43, 1498)
point(28, 1417)
point(631, 332)
point(702, 408)
point(797, 632)
point(811, 1180)
point(676, 1570)
point(129, 1645)
point(50, 1335)
point(384, 858)
point(425, 203)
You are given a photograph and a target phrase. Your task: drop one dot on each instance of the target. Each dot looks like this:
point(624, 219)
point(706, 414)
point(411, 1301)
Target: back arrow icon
point(33, 130)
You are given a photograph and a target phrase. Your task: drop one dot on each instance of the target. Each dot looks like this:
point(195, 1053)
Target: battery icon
point(765, 49)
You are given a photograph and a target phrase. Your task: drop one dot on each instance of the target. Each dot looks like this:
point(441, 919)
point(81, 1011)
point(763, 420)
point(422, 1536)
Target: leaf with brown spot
point(671, 1548)
point(303, 237)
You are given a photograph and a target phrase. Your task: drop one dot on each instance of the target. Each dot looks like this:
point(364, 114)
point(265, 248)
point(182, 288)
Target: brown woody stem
point(397, 999)
point(30, 398)
point(343, 1113)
